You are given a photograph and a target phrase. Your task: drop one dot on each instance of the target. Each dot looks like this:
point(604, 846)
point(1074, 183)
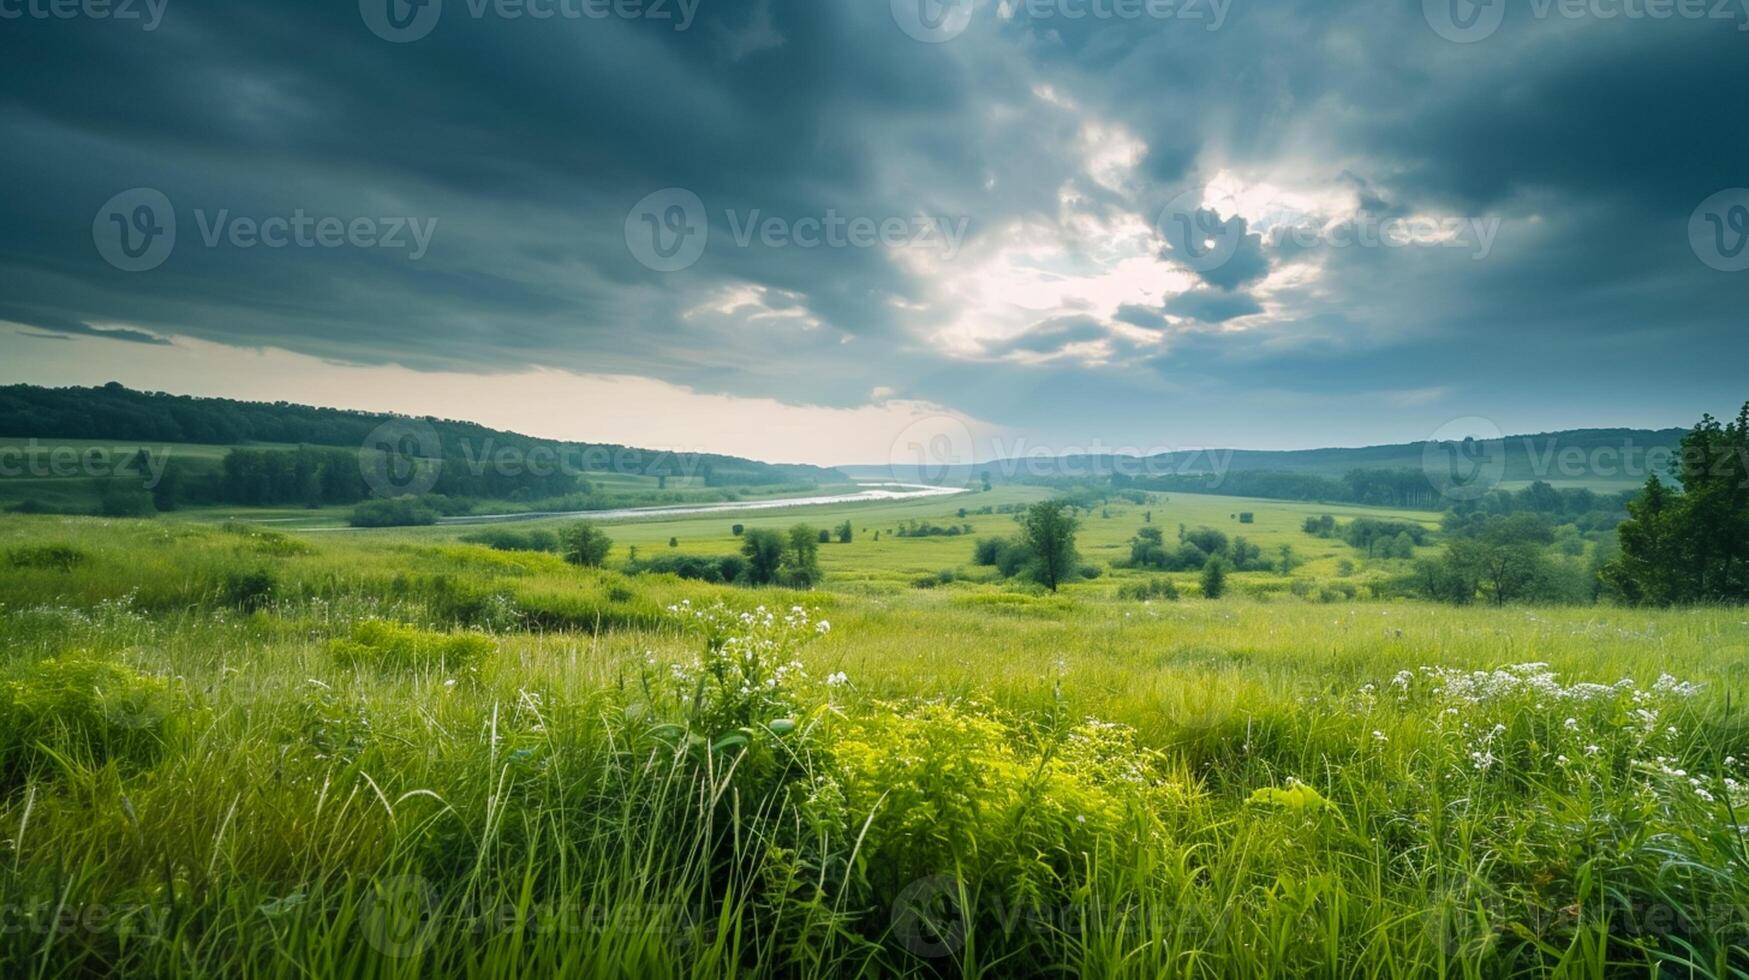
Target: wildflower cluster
point(748, 671)
point(1525, 715)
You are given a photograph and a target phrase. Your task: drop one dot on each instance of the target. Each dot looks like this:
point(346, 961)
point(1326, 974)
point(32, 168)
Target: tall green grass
point(229, 752)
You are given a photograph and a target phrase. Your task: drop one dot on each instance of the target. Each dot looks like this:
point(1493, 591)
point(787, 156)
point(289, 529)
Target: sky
point(829, 231)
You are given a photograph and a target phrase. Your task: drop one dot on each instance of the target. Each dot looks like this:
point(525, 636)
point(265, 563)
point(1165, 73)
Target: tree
point(1148, 549)
point(1214, 578)
point(1692, 547)
point(764, 550)
point(846, 533)
point(673, 542)
point(801, 560)
point(1048, 531)
point(585, 545)
point(738, 530)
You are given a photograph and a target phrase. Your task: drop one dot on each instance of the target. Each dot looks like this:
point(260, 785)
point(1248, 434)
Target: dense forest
point(119, 413)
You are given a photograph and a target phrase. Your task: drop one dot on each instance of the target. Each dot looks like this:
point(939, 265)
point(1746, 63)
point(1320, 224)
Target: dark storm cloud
point(1212, 305)
point(522, 145)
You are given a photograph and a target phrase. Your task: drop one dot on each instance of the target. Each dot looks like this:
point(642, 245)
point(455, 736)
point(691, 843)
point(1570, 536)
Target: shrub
point(944, 577)
point(585, 545)
point(250, 591)
point(1214, 578)
point(393, 646)
point(53, 557)
point(400, 512)
point(1149, 589)
point(700, 568)
point(83, 708)
point(504, 539)
point(962, 791)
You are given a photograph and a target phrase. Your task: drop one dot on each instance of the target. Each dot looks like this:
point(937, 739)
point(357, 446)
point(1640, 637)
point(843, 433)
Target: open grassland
point(894, 562)
point(233, 751)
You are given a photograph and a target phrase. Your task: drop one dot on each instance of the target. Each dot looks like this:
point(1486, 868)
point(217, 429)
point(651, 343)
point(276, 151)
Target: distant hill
point(114, 412)
point(1600, 458)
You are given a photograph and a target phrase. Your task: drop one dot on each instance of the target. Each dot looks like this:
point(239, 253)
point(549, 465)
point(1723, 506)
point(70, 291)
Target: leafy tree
point(764, 550)
point(1692, 547)
point(1148, 549)
point(1214, 578)
point(801, 561)
point(847, 533)
point(1048, 531)
point(584, 544)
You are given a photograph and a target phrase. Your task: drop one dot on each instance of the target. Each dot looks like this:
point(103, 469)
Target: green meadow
point(238, 749)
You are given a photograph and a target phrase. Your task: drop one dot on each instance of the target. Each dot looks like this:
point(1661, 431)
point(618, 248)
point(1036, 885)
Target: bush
point(392, 646)
point(502, 539)
point(1214, 578)
point(53, 557)
point(700, 568)
point(82, 708)
point(964, 791)
point(944, 577)
point(585, 545)
point(250, 591)
point(1148, 590)
point(400, 512)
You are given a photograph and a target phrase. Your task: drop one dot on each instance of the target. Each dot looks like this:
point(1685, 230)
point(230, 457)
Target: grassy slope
point(271, 832)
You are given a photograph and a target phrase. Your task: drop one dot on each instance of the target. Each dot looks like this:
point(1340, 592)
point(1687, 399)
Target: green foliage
point(381, 645)
point(584, 545)
point(1047, 531)
point(764, 550)
point(400, 512)
point(1214, 578)
point(1149, 589)
point(507, 539)
point(1693, 547)
point(53, 557)
point(79, 709)
point(1005, 806)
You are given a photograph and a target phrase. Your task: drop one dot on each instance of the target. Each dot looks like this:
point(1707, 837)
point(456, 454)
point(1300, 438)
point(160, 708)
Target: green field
point(233, 750)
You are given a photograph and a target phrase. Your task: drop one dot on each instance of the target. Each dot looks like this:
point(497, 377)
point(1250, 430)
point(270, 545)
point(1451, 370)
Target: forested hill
point(119, 413)
point(1593, 457)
